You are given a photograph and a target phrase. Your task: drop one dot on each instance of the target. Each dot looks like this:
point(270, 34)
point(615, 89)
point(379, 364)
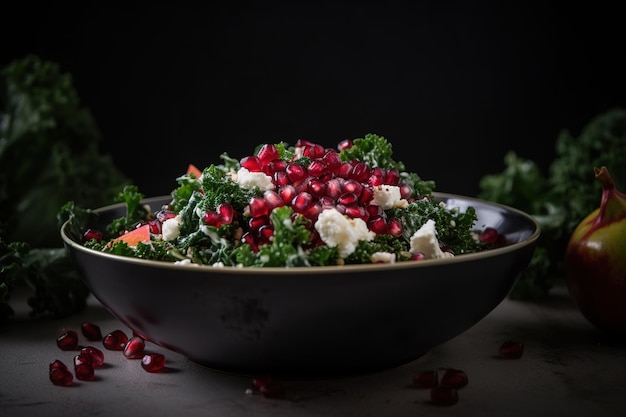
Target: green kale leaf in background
point(49, 155)
point(563, 198)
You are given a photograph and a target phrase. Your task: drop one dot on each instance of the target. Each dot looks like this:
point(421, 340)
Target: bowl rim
point(315, 270)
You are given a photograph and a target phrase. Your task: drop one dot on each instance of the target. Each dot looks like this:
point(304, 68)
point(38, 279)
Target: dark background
point(453, 85)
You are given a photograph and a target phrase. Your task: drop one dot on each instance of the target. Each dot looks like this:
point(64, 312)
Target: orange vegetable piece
point(140, 234)
point(192, 169)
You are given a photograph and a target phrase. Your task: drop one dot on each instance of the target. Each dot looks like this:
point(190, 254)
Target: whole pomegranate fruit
point(595, 261)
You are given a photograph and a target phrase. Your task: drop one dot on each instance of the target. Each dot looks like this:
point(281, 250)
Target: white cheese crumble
point(341, 231)
point(388, 196)
point(425, 241)
point(383, 257)
point(170, 229)
point(249, 180)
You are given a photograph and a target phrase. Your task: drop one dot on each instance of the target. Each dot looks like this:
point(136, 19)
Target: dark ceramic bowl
point(319, 321)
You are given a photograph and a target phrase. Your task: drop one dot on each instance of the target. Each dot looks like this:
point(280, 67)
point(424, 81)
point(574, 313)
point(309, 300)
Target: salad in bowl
point(298, 205)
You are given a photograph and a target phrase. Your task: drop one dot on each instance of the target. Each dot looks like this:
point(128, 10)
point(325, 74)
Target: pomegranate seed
point(92, 234)
point(116, 340)
point(394, 227)
point(300, 143)
point(332, 160)
point(272, 198)
point(405, 191)
point(489, 235)
point(287, 193)
point(68, 340)
point(91, 331)
point(280, 178)
point(453, 378)
point(314, 151)
point(227, 213)
point(316, 187)
point(418, 256)
point(344, 144)
point(267, 386)
point(334, 188)
point(155, 226)
point(252, 163)
point(344, 170)
point(82, 359)
point(316, 168)
point(83, 367)
point(302, 202)
point(61, 376)
point(212, 218)
point(258, 207)
point(443, 395)
point(356, 212)
point(392, 177)
point(352, 186)
point(277, 165)
point(378, 225)
point(426, 379)
point(511, 350)
point(57, 364)
point(360, 172)
point(255, 223)
point(153, 362)
point(367, 194)
point(348, 199)
point(134, 348)
point(268, 153)
point(96, 355)
point(296, 172)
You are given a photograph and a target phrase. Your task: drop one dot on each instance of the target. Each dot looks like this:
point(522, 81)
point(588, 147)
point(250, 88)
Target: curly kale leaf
point(135, 211)
point(219, 188)
point(13, 267)
point(374, 150)
point(41, 116)
point(454, 227)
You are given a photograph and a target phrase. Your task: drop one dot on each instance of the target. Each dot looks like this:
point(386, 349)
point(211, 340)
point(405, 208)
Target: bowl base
point(317, 371)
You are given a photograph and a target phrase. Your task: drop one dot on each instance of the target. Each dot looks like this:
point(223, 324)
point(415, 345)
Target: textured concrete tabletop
point(567, 369)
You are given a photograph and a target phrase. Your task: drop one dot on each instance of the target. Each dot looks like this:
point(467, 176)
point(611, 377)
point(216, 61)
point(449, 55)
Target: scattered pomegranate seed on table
point(134, 348)
point(511, 349)
point(91, 358)
point(83, 367)
point(68, 340)
point(60, 374)
point(116, 340)
point(153, 362)
point(91, 331)
point(453, 378)
point(426, 379)
point(96, 355)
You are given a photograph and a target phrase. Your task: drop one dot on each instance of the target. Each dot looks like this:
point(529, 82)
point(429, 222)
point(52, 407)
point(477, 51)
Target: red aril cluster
point(89, 358)
point(315, 179)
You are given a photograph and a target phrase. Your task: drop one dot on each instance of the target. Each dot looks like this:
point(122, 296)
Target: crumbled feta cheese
point(170, 229)
point(249, 180)
point(383, 257)
point(425, 241)
point(335, 229)
point(388, 196)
